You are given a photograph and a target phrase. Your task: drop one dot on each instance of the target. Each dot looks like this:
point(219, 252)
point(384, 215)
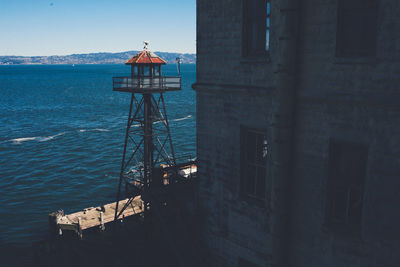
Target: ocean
point(61, 139)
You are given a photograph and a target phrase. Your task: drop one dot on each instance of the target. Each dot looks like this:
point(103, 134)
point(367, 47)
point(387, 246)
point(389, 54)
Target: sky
point(63, 27)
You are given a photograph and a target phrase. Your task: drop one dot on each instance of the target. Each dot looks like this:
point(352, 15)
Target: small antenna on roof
point(178, 61)
point(146, 45)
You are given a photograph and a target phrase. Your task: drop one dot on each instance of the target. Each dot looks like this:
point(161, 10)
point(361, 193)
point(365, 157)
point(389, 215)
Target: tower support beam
point(148, 144)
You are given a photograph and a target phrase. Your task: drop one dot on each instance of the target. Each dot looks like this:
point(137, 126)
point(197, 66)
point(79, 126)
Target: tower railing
point(151, 84)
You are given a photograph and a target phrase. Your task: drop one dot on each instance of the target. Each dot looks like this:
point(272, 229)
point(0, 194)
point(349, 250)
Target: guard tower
point(148, 145)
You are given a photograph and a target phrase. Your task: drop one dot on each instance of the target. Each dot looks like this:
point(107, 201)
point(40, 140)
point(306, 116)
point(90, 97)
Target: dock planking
point(94, 216)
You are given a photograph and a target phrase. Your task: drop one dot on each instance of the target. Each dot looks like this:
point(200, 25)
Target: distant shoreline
point(68, 64)
point(91, 59)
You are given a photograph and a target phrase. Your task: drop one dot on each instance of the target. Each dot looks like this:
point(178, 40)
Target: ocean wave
point(184, 118)
point(163, 121)
point(96, 130)
point(101, 130)
point(36, 138)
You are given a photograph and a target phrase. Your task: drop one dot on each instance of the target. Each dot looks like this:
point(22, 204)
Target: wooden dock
point(98, 217)
point(93, 216)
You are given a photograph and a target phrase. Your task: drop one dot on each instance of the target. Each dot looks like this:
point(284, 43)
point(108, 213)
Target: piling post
point(53, 222)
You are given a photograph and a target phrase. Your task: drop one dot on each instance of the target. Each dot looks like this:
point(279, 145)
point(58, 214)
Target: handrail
point(146, 77)
point(147, 83)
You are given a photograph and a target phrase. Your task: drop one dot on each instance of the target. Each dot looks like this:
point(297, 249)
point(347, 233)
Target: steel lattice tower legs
point(147, 143)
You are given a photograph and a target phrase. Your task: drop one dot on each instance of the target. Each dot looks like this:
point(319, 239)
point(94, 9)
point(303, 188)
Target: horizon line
point(87, 53)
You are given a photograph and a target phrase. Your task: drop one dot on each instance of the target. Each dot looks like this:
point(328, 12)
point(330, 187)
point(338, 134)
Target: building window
point(356, 28)
point(253, 150)
point(347, 170)
point(245, 263)
point(256, 27)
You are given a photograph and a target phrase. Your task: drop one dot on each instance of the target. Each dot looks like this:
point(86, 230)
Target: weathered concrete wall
point(219, 52)
point(232, 227)
point(232, 91)
point(356, 100)
point(353, 100)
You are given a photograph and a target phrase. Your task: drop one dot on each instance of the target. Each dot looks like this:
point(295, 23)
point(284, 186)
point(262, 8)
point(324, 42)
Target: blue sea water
point(61, 140)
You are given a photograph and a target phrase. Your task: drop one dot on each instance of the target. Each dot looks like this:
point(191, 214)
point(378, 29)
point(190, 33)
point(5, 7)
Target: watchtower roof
point(146, 57)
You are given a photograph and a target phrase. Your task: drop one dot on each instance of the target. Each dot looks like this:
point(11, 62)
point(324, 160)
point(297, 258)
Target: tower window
point(256, 27)
point(253, 150)
point(344, 203)
point(356, 28)
point(245, 263)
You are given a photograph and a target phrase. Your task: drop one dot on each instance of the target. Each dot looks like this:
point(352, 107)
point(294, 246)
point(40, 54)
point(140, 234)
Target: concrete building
point(298, 125)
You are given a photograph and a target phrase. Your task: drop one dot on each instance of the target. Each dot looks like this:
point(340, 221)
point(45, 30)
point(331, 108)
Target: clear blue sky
point(61, 27)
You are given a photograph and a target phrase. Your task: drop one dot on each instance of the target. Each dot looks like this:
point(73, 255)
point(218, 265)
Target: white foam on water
point(180, 119)
point(159, 122)
point(95, 130)
point(20, 140)
point(184, 118)
point(36, 138)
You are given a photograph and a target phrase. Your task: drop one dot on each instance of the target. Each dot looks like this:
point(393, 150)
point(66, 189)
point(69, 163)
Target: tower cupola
point(146, 75)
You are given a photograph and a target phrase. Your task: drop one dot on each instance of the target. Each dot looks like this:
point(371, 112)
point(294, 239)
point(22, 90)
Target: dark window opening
point(245, 263)
point(156, 70)
point(356, 28)
point(256, 27)
point(253, 152)
point(344, 200)
point(146, 71)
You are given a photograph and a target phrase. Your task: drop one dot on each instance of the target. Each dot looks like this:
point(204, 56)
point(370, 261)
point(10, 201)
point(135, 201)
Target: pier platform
point(93, 217)
point(98, 217)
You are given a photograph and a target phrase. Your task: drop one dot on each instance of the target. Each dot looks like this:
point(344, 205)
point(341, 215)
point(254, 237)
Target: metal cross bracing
point(149, 167)
point(147, 147)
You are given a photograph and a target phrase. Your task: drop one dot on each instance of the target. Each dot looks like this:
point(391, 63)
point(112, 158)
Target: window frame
point(335, 184)
point(251, 19)
point(246, 164)
point(242, 262)
point(343, 46)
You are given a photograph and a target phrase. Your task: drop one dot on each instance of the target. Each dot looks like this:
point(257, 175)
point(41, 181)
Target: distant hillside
point(93, 58)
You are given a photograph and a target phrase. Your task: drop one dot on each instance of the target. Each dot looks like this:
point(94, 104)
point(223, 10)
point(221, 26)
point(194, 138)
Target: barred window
point(356, 28)
point(245, 263)
point(344, 200)
point(253, 150)
point(256, 27)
